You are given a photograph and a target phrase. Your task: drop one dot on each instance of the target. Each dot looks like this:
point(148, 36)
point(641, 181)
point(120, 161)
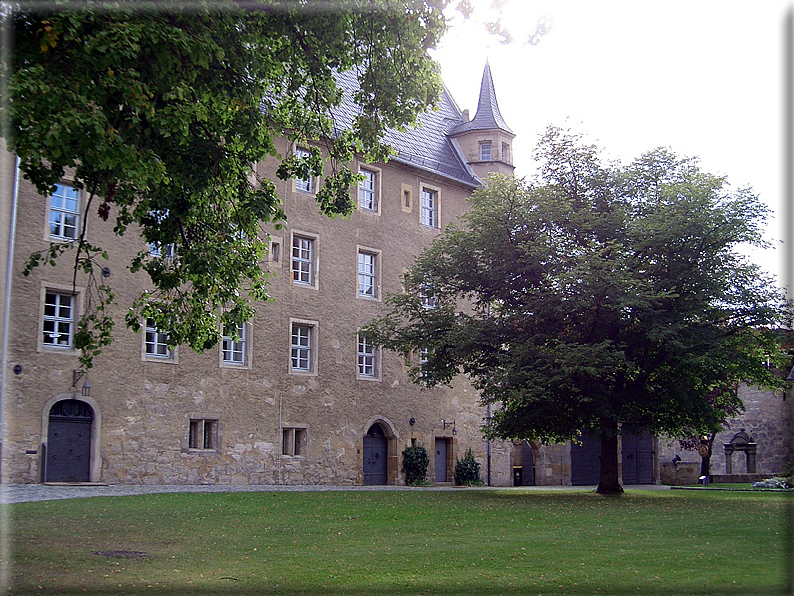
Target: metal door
point(376, 450)
point(637, 455)
point(68, 456)
point(441, 459)
point(586, 461)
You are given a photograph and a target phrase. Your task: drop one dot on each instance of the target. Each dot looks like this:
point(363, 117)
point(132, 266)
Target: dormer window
point(485, 151)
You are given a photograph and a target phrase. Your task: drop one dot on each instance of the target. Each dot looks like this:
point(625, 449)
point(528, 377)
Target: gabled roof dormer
point(486, 141)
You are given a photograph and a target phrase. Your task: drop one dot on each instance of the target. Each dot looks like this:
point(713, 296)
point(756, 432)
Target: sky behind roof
point(702, 77)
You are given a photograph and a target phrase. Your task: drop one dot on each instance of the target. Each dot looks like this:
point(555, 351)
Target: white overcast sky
point(704, 78)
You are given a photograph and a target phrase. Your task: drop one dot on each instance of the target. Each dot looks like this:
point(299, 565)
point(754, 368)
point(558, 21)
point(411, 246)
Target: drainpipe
point(488, 452)
point(7, 301)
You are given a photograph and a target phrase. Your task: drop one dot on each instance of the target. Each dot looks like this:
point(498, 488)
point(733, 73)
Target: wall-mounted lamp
point(76, 376)
point(445, 424)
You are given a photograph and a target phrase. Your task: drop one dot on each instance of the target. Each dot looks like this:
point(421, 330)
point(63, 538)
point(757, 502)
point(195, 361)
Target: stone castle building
point(301, 397)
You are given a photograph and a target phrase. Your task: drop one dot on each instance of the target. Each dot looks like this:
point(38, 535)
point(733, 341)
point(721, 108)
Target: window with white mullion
point(303, 184)
point(64, 212)
point(301, 347)
point(429, 207)
point(58, 320)
point(367, 274)
point(156, 342)
point(302, 260)
point(366, 357)
point(234, 349)
point(366, 191)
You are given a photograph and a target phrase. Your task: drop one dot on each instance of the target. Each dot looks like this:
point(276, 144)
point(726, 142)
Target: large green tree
point(159, 110)
point(594, 298)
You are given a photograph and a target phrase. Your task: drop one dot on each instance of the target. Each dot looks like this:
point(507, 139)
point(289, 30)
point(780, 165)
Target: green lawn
point(467, 542)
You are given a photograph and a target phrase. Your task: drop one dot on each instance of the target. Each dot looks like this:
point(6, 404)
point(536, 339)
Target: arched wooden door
point(68, 457)
point(376, 452)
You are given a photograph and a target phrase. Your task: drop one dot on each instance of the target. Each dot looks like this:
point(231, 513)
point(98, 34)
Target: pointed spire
point(488, 116)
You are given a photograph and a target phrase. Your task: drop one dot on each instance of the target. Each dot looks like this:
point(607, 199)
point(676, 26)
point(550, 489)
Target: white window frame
point(157, 250)
point(304, 264)
point(304, 185)
point(368, 359)
point(486, 151)
point(369, 190)
point(61, 205)
point(303, 347)
point(153, 339)
point(52, 324)
point(368, 273)
point(294, 441)
point(428, 301)
point(235, 353)
point(430, 212)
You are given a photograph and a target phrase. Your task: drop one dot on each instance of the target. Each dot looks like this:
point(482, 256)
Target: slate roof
point(427, 146)
point(488, 116)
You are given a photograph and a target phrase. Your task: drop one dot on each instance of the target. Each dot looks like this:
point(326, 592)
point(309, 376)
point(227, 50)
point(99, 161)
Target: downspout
point(7, 302)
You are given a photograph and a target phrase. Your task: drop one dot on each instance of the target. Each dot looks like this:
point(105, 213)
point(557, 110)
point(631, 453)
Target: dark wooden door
point(637, 454)
point(69, 442)
point(586, 461)
point(376, 450)
point(441, 459)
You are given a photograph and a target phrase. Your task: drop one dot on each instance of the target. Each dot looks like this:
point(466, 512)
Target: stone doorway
point(68, 449)
point(376, 452)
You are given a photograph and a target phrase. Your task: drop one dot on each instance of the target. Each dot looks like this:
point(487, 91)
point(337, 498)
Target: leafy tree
point(159, 111)
point(594, 297)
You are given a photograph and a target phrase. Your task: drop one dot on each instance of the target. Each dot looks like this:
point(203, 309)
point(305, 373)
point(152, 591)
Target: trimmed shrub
point(467, 470)
point(415, 462)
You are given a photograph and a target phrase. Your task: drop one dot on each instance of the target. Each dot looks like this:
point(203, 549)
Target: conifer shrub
point(467, 470)
point(415, 462)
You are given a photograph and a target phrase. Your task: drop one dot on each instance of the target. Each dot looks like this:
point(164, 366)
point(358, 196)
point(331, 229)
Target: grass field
point(472, 542)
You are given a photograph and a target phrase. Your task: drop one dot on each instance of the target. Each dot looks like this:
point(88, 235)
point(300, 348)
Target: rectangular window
point(429, 207)
point(58, 322)
point(203, 434)
point(407, 198)
point(156, 342)
point(293, 441)
point(427, 293)
point(506, 153)
point(367, 190)
point(485, 151)
point(159, 251)
point(301, 347)
point(275, 251)
point(64, 212)
point(303, 184)
point(302, 260)
point(367, 274)
point(367, 357)
point(234, 350)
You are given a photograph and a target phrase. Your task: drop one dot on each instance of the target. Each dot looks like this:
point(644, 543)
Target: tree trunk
point(608, 481)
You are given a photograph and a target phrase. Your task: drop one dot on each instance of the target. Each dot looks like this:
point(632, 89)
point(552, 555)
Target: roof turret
point(488, 116)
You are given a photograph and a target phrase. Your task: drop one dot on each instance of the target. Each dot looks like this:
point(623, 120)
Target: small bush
point(467, 470)
point(415, 462)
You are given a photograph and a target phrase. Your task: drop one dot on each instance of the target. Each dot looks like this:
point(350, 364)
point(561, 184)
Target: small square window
point(275, 251)
point(429, 214)
point(64, 213)
point(293, 442)
point(303, 256)
point(235, 345)
point(203, 434)
point(58, 320)
point(407, 201)
point(367, 190)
